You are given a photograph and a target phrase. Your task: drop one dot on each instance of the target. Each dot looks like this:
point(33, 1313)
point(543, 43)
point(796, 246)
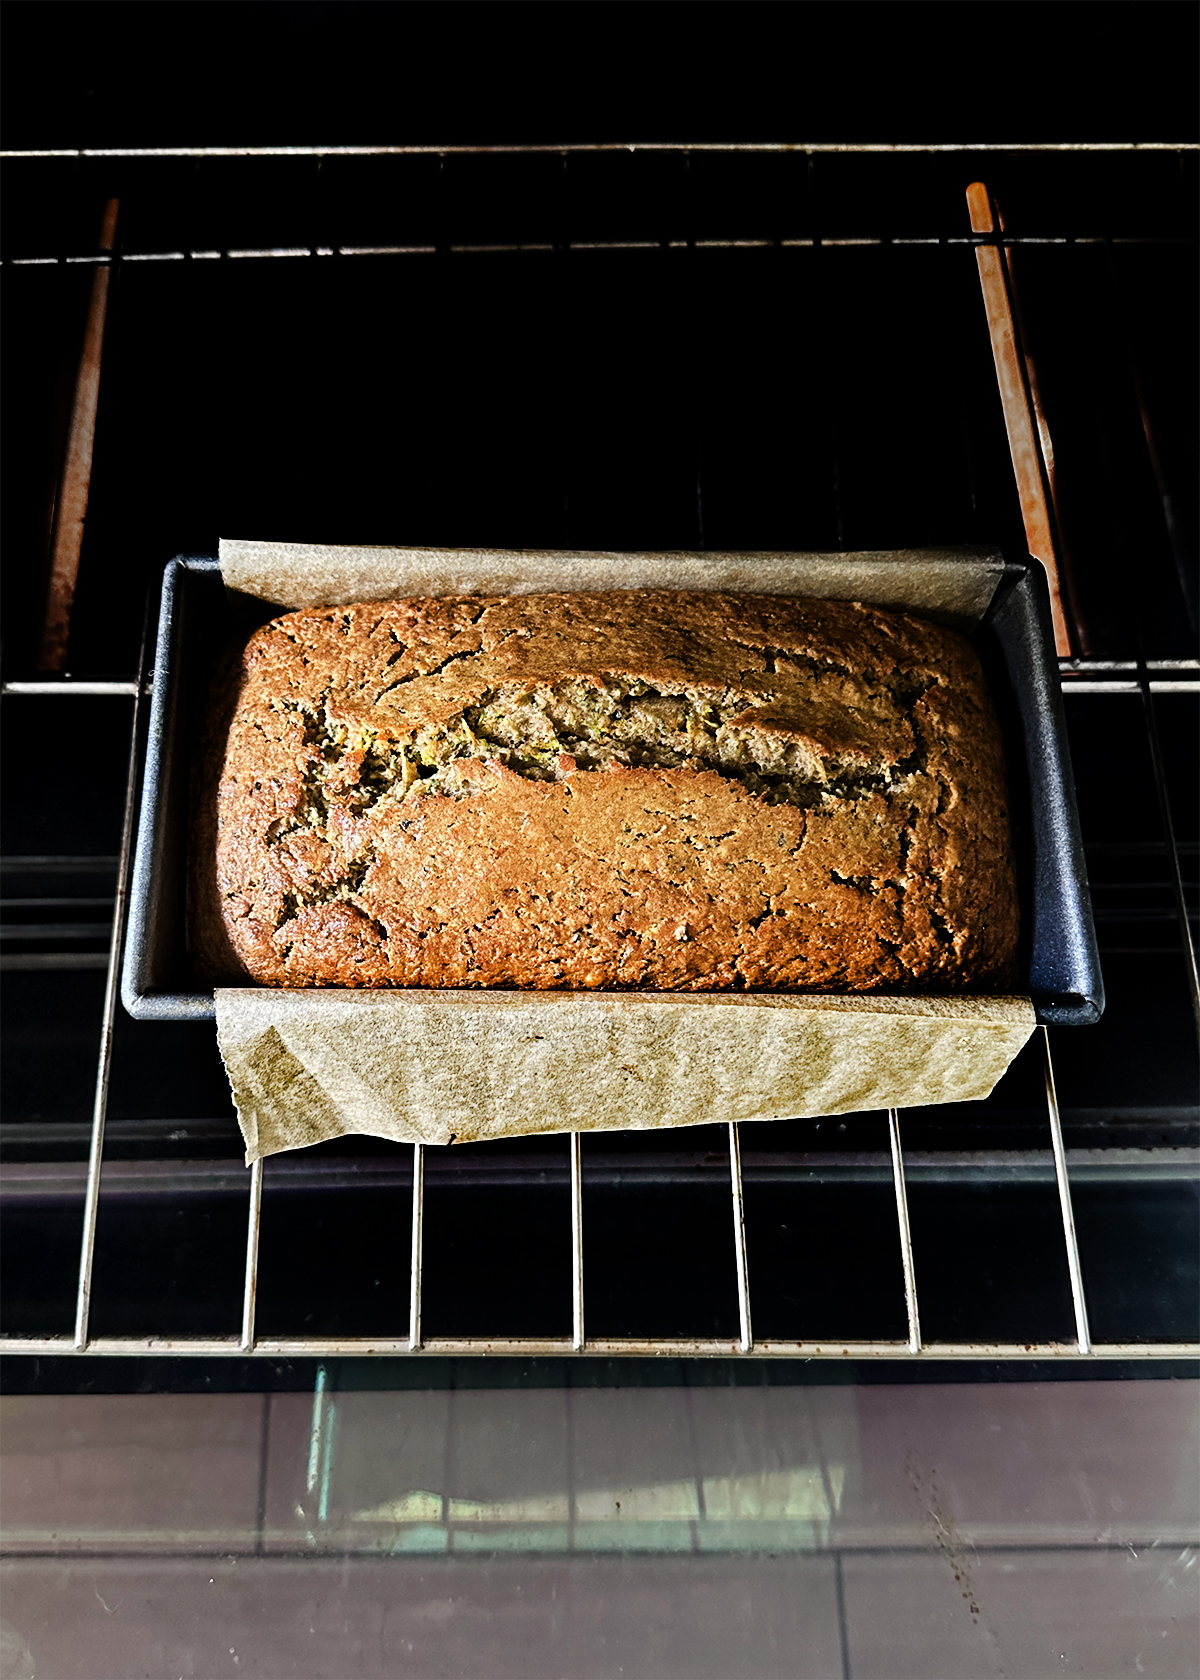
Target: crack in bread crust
point(541, 790)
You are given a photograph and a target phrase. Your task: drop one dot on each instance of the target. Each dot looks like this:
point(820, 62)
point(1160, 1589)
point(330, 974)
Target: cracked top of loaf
point(660, 790)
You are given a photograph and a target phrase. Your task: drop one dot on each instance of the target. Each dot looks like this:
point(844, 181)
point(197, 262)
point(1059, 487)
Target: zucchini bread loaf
point(661, 790)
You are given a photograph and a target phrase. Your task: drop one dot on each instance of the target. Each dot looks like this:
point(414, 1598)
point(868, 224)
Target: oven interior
point(601, 349)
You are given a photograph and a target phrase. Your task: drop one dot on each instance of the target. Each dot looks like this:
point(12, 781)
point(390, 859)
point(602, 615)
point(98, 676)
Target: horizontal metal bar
point(395, 1347)
point(56, 863)
point(568, 147)
point(58, 930)
point(55, 903)
point(293, 251)
point(1123, 685)
point(1086, 667)
point(1121, 676)
point(52, 1180)
point(26, 962)
point(273, 251)
point(72, 688)
point(1080, 677)
point(492, 250)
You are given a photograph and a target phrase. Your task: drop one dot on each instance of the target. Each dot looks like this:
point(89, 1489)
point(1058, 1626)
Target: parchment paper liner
point(467, 1066)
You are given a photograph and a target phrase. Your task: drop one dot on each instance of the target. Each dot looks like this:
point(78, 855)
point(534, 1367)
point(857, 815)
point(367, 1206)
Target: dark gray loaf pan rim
point(1060, 961)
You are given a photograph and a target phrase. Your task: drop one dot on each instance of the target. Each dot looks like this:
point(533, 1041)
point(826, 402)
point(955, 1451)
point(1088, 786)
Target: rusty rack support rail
point(75, 477)
point(1028, 437)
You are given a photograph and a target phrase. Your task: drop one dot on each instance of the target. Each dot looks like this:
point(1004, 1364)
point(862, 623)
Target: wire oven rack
point(1138, 681)
point(1095, 677)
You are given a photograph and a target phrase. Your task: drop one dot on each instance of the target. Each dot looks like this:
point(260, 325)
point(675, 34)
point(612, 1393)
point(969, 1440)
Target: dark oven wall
point(598, 350)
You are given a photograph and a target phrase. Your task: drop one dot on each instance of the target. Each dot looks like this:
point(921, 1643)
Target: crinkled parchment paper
point(466, 1066)
point(463, 1067)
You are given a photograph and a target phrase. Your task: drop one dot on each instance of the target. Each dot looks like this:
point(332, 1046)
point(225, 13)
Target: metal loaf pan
point(1059, 960)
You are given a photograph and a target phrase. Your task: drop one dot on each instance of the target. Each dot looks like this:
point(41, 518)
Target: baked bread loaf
point(660, 790)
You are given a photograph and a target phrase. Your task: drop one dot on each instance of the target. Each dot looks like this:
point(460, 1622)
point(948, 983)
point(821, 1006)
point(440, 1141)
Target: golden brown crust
point(843, 825)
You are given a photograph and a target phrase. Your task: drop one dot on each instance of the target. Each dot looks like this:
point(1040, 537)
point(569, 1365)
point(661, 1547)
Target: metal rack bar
point(91, 1198)
point(1078, 676)
point(577, 1330)
point(82, 687)
point(250, 1288)
point(418, 1220)
point(344, 251)
point(301, 253)
point(801, 146)
point(457, 1347)
point(906, 1251)
point(746, 1338)
point(1083, 1336)
point(1083, 676)
point(63, 1180)
point(1119, 685)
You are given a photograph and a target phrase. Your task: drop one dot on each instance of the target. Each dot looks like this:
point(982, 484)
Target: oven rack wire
point(1113, 678)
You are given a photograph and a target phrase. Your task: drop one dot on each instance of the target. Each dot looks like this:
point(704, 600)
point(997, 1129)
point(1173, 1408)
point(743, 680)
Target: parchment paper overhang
point(465, 1067)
